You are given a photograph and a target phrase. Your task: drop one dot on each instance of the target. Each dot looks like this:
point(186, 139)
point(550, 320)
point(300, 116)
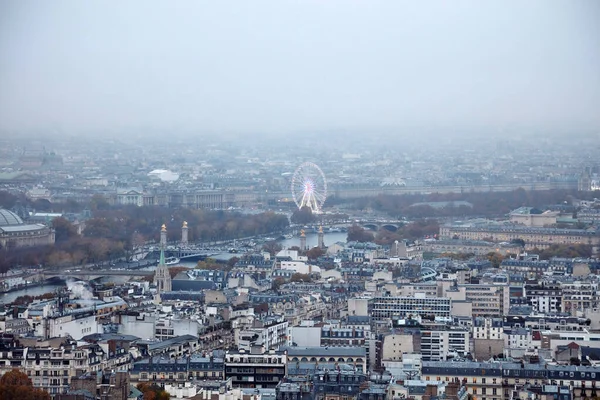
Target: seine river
point(311, 241)
point(31, 291)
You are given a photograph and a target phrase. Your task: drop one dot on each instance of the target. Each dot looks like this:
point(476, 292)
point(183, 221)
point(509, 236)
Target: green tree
point(17, 385)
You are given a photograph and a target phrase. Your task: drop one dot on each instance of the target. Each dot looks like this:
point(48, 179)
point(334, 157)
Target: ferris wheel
point(309, 187)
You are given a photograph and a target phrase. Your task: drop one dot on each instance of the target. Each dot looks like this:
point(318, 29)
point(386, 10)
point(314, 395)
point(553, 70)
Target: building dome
point(8, 218)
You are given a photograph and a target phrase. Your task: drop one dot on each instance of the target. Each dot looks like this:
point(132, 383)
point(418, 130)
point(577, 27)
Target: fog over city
point(289, 68)
point(300, 200)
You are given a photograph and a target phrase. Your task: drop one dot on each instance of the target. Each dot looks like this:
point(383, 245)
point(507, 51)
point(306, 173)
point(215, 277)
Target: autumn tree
point(387, 237)
point(17, 385)
point(63, 230)
point(315, 253)
point(99, 202)
point(208, 263)
point(272, 247)
point(565, 250)
point(7, 199)
point(232, 261)
point(495, 259)
point(303, 216)
point(298, 277)
point(276, 283)
point(359, 234)
point(152, 391)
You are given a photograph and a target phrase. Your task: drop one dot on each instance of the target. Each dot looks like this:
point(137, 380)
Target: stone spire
point(184, 234)
point(162, 278)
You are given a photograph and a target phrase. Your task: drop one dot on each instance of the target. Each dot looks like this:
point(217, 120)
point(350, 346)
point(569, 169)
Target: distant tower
point(584, 183)
point(302, 240)
point(321, 242)
point(184, 234)
point(162, 278)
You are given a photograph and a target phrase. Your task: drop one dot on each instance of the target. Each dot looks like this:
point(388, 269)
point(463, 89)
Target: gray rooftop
point(326, 351)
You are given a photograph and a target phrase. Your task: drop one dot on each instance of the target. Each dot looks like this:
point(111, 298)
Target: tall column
point(163, 236)
point(321, 242)
point(302, 240)
point(184, 234)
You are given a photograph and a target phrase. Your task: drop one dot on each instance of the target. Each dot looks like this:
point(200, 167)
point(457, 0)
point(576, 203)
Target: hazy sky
point(282, 66)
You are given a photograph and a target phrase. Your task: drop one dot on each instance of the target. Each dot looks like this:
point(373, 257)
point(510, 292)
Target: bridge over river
point(90, 275)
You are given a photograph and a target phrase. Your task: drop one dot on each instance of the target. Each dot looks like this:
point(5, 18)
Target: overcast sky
point(283, 66)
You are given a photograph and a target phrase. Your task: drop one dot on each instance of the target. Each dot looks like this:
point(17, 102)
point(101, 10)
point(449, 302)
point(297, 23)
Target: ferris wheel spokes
point(309, 187)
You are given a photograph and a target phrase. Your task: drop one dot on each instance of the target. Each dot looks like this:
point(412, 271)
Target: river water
point(312, 239)
point(30, 291)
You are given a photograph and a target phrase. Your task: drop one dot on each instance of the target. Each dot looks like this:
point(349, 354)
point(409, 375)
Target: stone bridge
point(90, 275)
point(375, 225)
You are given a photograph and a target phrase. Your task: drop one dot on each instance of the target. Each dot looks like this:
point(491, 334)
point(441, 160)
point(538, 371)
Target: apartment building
point(498, 380)
point(487, 300)
point(255, 370)
point(544, 297)
point(178, 370)
point(351, 356)
point(382, 308)
point(268, 333)
point(483, 380)
point(444, 342)
point(51, 364)
point(488, 328)
point(579, 296)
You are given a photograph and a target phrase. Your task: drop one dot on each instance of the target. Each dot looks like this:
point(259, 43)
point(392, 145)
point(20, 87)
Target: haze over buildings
point(280, 67)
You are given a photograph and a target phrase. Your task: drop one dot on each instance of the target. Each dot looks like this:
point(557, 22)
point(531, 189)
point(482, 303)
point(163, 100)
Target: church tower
point(321, 242)
point(184, 234)
point(162, 278)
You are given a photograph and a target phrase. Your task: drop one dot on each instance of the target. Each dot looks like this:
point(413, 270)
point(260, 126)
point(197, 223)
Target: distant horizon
point(271, 68)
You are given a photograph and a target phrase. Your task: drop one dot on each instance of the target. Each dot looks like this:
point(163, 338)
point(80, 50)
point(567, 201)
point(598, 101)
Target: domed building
point(16, 233)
